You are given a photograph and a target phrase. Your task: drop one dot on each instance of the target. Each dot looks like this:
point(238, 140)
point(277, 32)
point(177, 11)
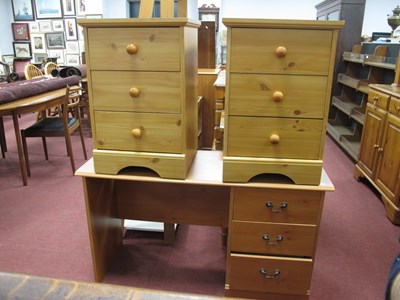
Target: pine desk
point(273, 227)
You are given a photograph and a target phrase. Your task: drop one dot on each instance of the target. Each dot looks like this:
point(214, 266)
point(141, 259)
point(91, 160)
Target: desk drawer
point(137, 91)
point(378, 99)
point(247, 272)
point(277, 206)
point(274, 137)
point(271, 238)
point(138, 132)
point(108, 49)
point(253, 50)
point(277, 95)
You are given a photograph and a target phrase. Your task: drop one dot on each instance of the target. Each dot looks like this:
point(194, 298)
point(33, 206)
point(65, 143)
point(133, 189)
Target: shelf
point(381, 62)
point(354, 57)
point(337, 130)
point(351, 143)
point(357, 113)
point(343, 104)
point(349, 81)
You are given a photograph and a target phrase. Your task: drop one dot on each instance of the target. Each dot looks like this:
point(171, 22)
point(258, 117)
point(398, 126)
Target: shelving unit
point(369, 63)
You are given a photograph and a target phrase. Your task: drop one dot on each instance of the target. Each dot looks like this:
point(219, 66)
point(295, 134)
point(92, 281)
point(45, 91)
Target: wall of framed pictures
point(48, 28)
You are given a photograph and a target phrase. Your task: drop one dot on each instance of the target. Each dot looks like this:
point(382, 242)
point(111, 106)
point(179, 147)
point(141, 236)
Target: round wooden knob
point(280, 51)
point(136, 133)
point(274, 139)
point(277, 96)
point(134, 92)
point(131, 49)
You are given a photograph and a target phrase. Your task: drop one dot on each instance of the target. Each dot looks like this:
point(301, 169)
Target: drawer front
point(274, 137)
point(271, 238)
point(108, 49)
point(285, 51)
point(137, 91)
point(277, 95)
point(138, 131)
point(394, 106)
point(256, 273)
point(277, 206)
point(378, 99)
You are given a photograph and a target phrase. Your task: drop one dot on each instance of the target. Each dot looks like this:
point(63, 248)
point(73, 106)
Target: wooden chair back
point(50, 66)
point(147, 6)
point(31, 71)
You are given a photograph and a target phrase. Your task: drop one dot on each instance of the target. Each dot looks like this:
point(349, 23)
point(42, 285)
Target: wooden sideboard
point(278, 87)
point(272, 225)
point(379, 157)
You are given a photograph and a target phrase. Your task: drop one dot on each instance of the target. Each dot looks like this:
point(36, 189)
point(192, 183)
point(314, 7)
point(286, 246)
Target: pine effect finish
point(279, 77)
point(142, 78)
point(379, 158)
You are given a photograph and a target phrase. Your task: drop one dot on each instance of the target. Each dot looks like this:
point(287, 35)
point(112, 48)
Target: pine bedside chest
point(279, 78)
point(142, 78)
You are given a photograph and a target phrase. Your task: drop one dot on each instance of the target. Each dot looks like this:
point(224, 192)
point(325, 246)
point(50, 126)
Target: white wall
point(375, 16)
point(6, 18)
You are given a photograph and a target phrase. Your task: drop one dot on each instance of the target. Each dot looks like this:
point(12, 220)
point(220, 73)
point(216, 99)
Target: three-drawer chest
point(142, 79)
point(278, 86)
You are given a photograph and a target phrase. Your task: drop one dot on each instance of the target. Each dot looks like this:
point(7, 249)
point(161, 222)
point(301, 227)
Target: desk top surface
point(206, 169)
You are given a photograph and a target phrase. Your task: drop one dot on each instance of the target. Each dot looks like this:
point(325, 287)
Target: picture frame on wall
point(39, 57)
point(68, 7)
point(20, 31)
point(72, 47)
point(38, 43)
point(45, 26)
point(80, 7)
point(22, 10)
point(59, 54)
point(22, 49)
point(72, 60)
point(58, 25)
point(34, 27)
point(48, 9)
point(55, 40)
point(70, 29)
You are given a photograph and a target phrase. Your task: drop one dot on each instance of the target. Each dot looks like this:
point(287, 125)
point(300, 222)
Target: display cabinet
point(369, 63)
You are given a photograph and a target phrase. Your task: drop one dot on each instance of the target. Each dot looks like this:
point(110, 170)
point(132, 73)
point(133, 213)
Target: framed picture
point(34, 27)
point(48, 9)
point(39, 57)
point(59, 54)
point(70, 29)
point(22, 10)
point(58, 25)
point(68, 7)
point(22, 49)
point(45, 26)
point(38, 43)
point(20, 31)
point(8, 59)
point(55, 40)
point(72, 47)
point(80, 7)
point(72, 60)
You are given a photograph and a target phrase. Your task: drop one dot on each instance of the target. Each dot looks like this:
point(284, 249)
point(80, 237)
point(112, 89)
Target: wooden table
point(27, 105)
point(203, 199)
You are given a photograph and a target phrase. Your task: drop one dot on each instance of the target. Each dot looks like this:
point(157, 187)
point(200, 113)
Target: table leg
point(169, 233)
point(21, 154)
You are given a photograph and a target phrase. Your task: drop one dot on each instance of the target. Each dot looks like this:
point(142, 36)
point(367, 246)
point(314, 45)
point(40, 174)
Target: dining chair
point(50, 66)
point(31, 71)
point(63, 125)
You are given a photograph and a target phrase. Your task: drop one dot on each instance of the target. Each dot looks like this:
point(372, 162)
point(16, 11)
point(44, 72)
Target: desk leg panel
point(173, 203)
point(105, 229)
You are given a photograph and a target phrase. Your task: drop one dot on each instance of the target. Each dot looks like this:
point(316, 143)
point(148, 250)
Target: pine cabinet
point(379, 159)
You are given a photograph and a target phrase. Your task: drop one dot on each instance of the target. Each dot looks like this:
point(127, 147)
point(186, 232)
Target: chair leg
point(26, 154)
point(46, 154)
point(82, 141)
point(71, 154)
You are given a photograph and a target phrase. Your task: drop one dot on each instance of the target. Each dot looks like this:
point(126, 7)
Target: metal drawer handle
point(376, 98)
point(279, 238)
point(131, 49)
point(281, 208)
point(134, 92)
point(275, 273)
